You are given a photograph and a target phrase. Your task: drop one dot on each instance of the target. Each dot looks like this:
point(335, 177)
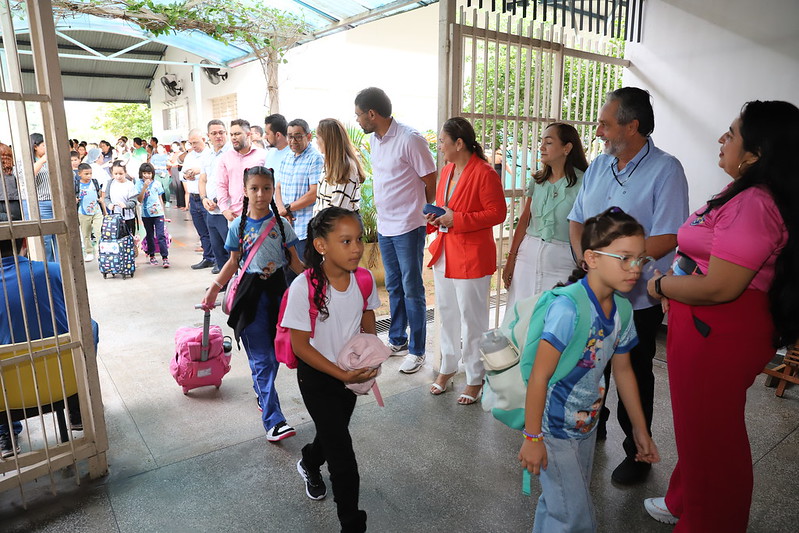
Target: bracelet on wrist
point(531, 437)
point(219, 285)
point(658, 288)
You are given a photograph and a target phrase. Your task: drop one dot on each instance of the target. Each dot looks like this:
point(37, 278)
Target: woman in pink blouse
point(732, 298)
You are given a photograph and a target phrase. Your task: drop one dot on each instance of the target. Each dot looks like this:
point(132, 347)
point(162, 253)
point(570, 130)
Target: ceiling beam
point(97, 75)
point(111, 51)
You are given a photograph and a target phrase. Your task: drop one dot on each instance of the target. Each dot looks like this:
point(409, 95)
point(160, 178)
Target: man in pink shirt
point(230, 177)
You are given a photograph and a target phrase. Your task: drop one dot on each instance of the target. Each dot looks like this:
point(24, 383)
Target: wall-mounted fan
point(171, 85)
point(213, 74)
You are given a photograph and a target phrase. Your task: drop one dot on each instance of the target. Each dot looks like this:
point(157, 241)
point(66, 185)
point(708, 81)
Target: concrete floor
point(201, 462)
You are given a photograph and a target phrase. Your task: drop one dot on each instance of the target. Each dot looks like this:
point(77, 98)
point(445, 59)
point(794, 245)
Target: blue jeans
point(565, 504)
point(154, 226)
point(402, 260)
point(217, 232)
point(260, 348)
point(45, 213)
point(198, 212)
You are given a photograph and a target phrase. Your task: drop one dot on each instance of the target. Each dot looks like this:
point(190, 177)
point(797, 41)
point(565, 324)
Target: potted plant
point(371, 254)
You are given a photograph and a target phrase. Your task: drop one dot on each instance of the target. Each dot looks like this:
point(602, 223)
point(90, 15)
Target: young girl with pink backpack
point(260, 244)
point(332, 255)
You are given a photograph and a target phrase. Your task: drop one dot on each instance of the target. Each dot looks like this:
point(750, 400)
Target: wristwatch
point(287, 207)
point(657, 285)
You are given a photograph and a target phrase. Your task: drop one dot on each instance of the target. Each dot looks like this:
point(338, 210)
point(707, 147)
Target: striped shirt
point(297, 174)
point(43, 184)
point(346, 195)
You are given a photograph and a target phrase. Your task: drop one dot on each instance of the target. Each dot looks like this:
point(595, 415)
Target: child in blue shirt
point(90, 209)
point(254, 312)
point(152, 213)
point(560, 417)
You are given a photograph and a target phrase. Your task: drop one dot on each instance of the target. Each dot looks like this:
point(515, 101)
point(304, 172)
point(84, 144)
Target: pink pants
point(711, 486)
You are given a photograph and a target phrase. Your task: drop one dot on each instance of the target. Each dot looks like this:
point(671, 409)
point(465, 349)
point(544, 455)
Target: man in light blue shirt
point(650, 185)
point(276, 135)
point(298, 179)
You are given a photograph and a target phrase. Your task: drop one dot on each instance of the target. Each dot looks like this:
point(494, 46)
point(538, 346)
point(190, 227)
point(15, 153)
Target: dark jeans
point(217, 232)
point(154, 226)
point(647, 321)
point(198, 212)
point(177, 186)
point(330, 405)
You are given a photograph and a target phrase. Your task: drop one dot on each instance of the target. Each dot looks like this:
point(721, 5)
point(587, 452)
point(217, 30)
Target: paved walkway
point(201, 462)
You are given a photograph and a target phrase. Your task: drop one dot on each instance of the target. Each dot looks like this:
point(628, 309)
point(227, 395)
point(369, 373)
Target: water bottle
point(498, 352)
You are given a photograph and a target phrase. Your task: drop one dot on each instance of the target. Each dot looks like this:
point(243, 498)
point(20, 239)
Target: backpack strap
point(312, 310)
point(364, 279)
point(625, 310)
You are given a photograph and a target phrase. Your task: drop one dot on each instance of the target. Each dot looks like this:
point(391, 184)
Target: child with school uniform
point(332, 255)
point(253, 316)
point(119, 195)
point(152, 213)
point(560, 415)
point(90, 209)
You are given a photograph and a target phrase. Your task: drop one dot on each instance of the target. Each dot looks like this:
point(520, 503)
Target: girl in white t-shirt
point(119, 195)
point(340, 182)
point(332, 255)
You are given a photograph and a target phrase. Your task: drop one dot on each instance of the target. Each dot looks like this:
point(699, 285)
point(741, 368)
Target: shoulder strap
point(364, 278)
point(625, 310)
point(312, 310)
point(96, 186)
point(264, 232)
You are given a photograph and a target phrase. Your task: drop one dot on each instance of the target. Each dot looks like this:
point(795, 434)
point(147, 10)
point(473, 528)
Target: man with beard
point(230, 175)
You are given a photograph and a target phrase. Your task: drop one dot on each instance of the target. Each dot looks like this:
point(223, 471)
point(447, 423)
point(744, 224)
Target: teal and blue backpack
point(505, 391)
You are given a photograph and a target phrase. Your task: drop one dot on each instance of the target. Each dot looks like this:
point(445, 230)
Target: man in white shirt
point(190, 176)
point(214, 219)
point(404, 175)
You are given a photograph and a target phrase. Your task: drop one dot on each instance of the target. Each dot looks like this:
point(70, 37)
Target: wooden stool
point(788, 371)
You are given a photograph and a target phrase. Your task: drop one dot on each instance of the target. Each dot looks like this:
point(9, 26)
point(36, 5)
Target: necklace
point(638, 164)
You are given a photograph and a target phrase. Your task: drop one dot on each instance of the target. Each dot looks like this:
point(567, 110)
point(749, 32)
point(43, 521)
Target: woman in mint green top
point(540, 255)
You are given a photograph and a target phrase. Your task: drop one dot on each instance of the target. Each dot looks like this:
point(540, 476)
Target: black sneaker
point(314, 484)
point(631, 472)
point(279, 432)
point(7, 446)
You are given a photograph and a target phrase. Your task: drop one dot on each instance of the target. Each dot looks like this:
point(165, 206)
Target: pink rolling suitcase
point(202, 356)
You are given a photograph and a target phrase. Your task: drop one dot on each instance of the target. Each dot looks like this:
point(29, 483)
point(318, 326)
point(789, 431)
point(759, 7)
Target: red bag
point(284, 353)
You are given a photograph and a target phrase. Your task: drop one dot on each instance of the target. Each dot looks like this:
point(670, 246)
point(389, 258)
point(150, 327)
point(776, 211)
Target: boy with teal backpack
point(582, 326)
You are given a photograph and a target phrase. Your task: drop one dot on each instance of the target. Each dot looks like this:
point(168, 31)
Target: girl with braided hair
point(332, 254)
point(254, 312)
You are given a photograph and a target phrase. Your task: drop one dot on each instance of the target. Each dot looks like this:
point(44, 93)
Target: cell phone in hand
point(431, 209)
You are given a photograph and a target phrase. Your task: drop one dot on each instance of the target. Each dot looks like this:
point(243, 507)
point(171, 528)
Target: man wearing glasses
point(214, 219)
point(650, 185)
point(230, 173)
point(295, 190)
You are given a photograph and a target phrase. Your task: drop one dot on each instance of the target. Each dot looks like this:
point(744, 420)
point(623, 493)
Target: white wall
point(701, 61)
point(398, 54)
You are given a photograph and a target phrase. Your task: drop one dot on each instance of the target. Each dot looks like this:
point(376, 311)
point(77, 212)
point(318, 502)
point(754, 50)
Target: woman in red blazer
point(464, 253)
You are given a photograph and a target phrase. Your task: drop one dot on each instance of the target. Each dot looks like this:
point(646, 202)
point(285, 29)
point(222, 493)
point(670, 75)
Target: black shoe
point(7, 447)
point(631, 472)
point(216, 270)
point(205, 263)
point(314, 484)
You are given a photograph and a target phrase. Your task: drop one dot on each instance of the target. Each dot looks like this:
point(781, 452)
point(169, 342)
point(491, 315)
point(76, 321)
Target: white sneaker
point(656, 507)
point(411, 364)
point(88, 257)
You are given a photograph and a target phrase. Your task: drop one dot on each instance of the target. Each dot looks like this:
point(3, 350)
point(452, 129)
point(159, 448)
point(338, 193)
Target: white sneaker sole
point(413, 369)
point(659, 512)
point(305, 479)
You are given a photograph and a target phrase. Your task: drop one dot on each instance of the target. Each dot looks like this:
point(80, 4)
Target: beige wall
point(701, 61)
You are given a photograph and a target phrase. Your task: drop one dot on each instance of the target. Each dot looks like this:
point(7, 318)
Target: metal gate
point(511, 75)
point(44, 380)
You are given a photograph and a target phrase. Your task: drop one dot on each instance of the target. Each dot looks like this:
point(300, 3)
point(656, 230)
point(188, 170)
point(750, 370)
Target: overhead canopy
point(111, 60)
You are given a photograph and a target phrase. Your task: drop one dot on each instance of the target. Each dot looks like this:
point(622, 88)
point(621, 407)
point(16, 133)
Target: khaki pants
point(90, 224)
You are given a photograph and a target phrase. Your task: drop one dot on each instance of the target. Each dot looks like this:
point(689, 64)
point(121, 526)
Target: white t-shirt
point(274, 157)
point(400, 158)
point(344, 322)
point(121, 193)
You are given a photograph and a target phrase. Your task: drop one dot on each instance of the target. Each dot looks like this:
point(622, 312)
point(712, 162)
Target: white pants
point(462, 305)
point(540, 266)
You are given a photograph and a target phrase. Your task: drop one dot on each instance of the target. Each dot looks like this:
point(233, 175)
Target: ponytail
point(243, 223)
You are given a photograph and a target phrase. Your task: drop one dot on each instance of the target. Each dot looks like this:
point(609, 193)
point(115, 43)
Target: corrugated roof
point(114, 74)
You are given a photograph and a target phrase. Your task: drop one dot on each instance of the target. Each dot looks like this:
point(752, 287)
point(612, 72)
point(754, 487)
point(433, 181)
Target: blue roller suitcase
point(116, 248)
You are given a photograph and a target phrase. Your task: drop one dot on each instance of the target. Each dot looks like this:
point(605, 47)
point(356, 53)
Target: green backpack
point(505, 391)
